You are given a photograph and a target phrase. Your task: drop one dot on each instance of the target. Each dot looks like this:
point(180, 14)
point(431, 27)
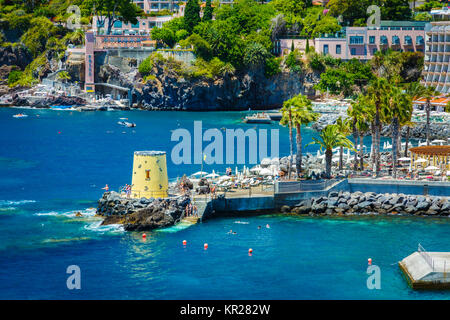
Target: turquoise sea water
point(54, 165)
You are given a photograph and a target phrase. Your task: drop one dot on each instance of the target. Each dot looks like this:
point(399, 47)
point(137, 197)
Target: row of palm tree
point(387, 102)
point(298, 111)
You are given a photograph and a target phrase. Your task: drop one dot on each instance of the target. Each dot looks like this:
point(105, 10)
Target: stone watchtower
point(149, 175)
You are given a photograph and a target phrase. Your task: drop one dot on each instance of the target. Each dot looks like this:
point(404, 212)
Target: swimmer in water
point(267, 226)
point(230, 232)
point(235, 232)
point(259, 227)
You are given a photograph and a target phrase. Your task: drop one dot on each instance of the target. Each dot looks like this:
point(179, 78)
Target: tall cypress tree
point(208, 11)
point(192, 15)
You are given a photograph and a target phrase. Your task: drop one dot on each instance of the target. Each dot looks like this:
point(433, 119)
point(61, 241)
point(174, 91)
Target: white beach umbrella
point(256, 169)
point(404, 159)
point(448, 172)
point(212, 175)
point(200, 173)
point(266, 161)
point(265, 172)
point(438, 141)
point(275, 161)
point(431, 168)
point(421, 160)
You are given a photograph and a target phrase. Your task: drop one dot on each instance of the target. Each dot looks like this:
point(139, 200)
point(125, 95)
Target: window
point(338, 49)
point(147, 174)
point(419, 28)
point(353, 51)
point(135, 25)
point(118, 24)
point(356, 39)
point(407, 28)
point(395, 28)
point(419, 40)
point(372, 39)
point(408, 40)
point(395, 40)
point(383, 40)
point(325, 49)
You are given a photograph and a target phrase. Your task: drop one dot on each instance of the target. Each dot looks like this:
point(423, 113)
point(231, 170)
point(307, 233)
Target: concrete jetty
point(427, 270)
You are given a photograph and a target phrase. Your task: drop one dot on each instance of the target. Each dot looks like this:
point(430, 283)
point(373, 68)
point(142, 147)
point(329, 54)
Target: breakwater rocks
point(370, 203)
point(168, 90)
point(140, 214)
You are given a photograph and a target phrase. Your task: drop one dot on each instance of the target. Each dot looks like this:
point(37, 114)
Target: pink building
point(363, 42)
point(89, 65)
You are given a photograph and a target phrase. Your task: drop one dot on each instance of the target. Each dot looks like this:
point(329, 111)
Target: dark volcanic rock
point(140, 214)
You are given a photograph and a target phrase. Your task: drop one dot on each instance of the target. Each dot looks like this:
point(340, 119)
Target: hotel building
point(437, 56)
point(363, 42)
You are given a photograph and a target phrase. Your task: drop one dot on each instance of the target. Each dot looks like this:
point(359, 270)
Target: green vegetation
point(330, 138)
point(208, 12)
point(296, 112)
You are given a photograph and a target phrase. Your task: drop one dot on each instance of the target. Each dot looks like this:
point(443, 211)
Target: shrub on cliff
point(294, 61)
point(146, 66)
point(272, 67)
point(202, 48)
point(35, 38)
point(255, 55)
point(165, 35)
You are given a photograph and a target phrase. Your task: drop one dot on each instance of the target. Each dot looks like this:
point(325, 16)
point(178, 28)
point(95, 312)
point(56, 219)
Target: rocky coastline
point(140, 214)
point(370, 203)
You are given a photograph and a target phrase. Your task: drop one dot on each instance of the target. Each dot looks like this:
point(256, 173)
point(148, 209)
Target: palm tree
point(344, 128)
point(286, 119)
point(417, 90)
point(377, 90)
point(397, 109)
point(330, 138)
point(428, 94)
point(302, 114)
point(362, 114)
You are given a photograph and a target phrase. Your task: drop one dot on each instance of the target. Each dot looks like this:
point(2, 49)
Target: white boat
point(127, 124)
point(258, 118)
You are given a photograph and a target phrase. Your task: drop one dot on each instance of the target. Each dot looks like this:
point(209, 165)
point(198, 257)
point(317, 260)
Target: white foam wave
point(14, 202)
point(89, 212)
point(97, 227)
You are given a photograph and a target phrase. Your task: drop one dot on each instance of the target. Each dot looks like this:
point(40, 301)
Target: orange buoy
point(184, 242)
point(144, 235)
point(369, 261)
point(205, 246)
point(250, 250)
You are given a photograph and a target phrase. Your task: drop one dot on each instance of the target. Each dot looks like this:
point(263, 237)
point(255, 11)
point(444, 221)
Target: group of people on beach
point(191, 210)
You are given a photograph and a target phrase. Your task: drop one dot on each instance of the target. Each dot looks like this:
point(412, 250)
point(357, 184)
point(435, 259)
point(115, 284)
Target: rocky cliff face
point(169, 91)
point(15, 56)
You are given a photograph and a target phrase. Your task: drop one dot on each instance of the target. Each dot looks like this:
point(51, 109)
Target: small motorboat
point(20, 115)
point(258, 118)
point(127, 124)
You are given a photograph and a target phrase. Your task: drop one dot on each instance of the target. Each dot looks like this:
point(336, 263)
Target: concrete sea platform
point(427, 270)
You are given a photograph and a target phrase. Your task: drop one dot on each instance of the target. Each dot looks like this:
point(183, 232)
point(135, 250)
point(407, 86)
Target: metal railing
point(302, 186)
point(426, 256)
